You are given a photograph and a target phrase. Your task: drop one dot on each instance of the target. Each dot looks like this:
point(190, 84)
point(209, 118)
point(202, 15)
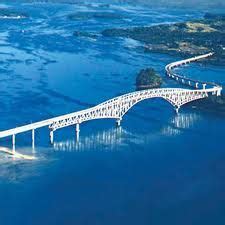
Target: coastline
point(185, 39)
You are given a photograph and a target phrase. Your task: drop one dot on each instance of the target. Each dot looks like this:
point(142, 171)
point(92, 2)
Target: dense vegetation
point(187, 38)
point(148, 78)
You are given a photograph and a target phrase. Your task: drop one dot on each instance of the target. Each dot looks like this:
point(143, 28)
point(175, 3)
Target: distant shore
point(186, 39)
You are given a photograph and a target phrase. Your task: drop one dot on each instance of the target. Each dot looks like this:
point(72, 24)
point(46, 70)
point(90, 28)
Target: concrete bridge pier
point(14, 143)
point(218, 93)
point(118, 122)
point(177, 108)
point(196, 85)
point(203, 86)
point(77, 132)
point(33, 139)
point(51, 136)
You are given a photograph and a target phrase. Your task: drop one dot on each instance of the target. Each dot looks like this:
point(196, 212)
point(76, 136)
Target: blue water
point(158, 168)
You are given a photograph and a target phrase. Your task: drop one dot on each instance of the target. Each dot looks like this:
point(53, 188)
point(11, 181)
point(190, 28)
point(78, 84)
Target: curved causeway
point(187, 81)
point(117, 107)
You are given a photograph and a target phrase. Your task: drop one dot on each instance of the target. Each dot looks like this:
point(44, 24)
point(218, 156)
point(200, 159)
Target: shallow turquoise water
point(157, 168)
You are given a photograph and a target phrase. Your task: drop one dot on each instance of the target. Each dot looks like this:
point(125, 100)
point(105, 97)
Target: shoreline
point(184, 39)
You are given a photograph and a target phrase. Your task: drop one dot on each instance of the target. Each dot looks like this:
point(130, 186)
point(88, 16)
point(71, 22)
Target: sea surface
point(158, 168)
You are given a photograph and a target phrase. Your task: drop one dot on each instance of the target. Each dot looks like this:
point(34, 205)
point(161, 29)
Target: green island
point(148, 78)
point(185, 39)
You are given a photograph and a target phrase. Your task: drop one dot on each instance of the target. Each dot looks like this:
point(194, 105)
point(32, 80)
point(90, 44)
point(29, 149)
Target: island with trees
point(148, 78)
point(185, 39)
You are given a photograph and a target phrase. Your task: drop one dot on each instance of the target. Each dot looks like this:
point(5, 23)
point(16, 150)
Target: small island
point(95, 15)
point(85, 34)
point(148, 78)
point(6, 13)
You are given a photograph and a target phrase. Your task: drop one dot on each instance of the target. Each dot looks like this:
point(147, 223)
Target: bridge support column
point(77, 132)
point(118, 122)
point(33, 139)
point(203, 86)
point(51, 136)
point(14, 143)
point(218, 93)
point(177, 109)
point(196, 85)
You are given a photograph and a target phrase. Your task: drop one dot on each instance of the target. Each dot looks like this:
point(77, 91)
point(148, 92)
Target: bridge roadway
point(117, 107)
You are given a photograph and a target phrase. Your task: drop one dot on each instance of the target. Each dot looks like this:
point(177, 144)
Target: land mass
point(148, 78)
point(94, 15)
point(186, 39)
point(9, 14)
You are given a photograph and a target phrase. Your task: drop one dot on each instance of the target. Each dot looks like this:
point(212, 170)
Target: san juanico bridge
point(117, 107)
point(112, 113)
